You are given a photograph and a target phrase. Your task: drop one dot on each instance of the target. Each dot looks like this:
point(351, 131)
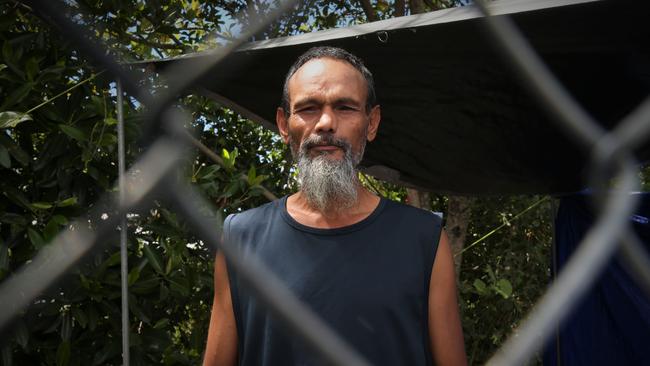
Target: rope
point(495, 230)
point(48, 100)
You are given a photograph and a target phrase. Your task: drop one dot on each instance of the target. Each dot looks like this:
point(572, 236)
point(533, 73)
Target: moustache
point(321, 140)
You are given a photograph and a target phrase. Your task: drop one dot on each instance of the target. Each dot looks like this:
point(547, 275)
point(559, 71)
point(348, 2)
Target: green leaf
point(164, 292)
point(86, 155)
point(17, 95)
point(171, 264)
point(50, 231)
point(114, 259)
point(51, 72)
point(41, 205)
point(2, 67)
point(480, 287)
point(35, 238)
point(7, 51)
point(259, 179)
point(19, 154)
point(137, 310)
point(161, 324)
point(9, 119)
point(153, 257)
point(15, 195)
point(104, 354)
point(209, 173)
point(93, 317)
point(4, 255)
point(31, 68)
point(504, 288)
point(63, 354)
point(251, 176)
point(67, 202)
point(60, 219)
point(73, 132)
point(5, 159)
point(145, 285)
point(180, 286)
point(133, 276)
point(80, 317)
point(12, 218)
point(232, 189)
point(107, 139)
point(110, 121)
point(233, 156)
point(490, 272)
point(170, 217)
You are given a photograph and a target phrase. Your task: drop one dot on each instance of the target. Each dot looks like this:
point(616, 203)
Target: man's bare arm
point(221, 349)
point(445, 330)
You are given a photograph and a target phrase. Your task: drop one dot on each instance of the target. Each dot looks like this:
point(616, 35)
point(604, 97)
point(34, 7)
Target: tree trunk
point(419, 199)
point(416, 6)
point(399, 8)
point(368, 10)
point(459, 211)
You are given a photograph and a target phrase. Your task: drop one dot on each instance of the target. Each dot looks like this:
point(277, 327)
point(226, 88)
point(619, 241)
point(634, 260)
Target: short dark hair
point(337, 54)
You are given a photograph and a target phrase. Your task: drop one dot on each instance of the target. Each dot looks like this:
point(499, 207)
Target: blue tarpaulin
point(611, 325)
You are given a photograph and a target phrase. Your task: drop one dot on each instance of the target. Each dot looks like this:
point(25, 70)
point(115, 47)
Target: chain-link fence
point(151, 177)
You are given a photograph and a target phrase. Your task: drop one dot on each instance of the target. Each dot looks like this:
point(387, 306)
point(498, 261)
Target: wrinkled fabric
point(611, 325)
point(368, 281)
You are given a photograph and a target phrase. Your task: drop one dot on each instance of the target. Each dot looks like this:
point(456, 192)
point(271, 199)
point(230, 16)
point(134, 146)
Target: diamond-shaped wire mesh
point(150, 177)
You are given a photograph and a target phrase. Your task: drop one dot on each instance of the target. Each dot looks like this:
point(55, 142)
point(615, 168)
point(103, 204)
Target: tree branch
point(437, 6)
point(399, 8)
point(416, 6)
point(147, 42)
point(368, 10)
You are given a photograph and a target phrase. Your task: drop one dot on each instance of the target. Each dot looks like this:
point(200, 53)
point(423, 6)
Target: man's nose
point(327, 121)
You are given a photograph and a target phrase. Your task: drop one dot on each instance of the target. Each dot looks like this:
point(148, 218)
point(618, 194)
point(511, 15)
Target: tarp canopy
point(455, 117)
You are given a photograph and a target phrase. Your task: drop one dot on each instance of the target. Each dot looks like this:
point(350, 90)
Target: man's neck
point(300, 210)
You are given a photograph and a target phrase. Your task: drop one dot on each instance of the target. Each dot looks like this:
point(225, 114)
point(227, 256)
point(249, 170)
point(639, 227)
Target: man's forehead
point(324, 64)
point(324, 70)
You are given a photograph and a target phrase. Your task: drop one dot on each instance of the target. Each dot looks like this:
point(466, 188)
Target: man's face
point(327, 129)
point(327, 102)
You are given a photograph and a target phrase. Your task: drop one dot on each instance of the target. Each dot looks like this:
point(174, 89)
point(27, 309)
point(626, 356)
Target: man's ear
point(373, 123)
point(283, 124)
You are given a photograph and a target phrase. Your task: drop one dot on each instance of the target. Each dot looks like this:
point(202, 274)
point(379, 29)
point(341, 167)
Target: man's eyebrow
point(344, 100)
point(307, 101)
point(317, 101)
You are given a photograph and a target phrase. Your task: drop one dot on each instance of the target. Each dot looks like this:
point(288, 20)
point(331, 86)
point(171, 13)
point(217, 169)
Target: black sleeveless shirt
point(369, 281)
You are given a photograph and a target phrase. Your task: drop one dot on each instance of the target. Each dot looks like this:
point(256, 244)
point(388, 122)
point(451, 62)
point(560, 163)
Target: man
point(379, 273)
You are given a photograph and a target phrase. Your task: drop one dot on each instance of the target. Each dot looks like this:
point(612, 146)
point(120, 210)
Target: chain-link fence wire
point(151, 177)
point(148, 176)
point(609, 149)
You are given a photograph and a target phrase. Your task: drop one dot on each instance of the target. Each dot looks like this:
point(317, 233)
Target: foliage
point(59, 158)
point(504, 275)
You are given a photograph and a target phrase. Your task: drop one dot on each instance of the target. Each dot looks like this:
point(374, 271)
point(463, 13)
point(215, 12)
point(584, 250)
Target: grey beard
point(328, 184)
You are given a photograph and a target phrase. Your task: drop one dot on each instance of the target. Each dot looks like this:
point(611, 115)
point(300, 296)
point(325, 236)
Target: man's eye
point(347, 108)
point(310, 109)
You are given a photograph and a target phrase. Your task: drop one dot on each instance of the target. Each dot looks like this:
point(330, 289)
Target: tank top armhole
point(431, 250)
point(234, 289)
point(432, 247)
point(437, 234)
